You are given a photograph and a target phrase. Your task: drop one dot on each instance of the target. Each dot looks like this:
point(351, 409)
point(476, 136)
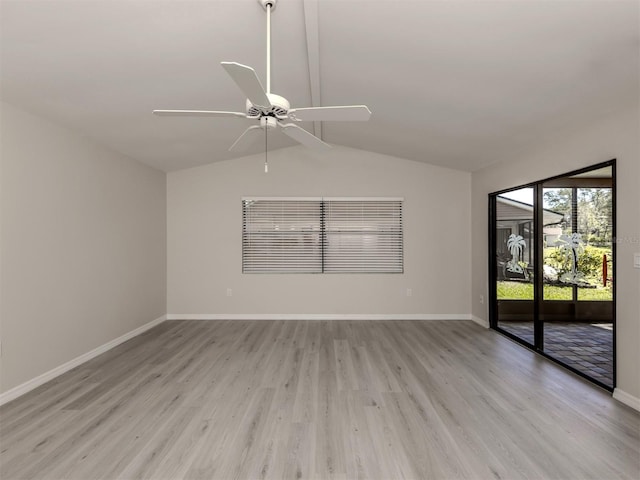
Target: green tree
point(559, 200)
point(594, 212)
point(595, 207)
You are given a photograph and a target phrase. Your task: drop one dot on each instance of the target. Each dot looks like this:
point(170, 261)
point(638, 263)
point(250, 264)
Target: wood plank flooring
point(318, 400)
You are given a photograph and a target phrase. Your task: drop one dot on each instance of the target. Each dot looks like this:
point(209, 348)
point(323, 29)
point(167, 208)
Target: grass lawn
point(524, 291)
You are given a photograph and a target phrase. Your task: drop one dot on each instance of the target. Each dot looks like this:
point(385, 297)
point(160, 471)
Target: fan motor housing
point(279, 107)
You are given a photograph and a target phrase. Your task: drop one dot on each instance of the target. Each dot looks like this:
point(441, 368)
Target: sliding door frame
point(538, 286)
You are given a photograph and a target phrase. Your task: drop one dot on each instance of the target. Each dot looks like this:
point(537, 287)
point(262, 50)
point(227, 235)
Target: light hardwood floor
point(318, 400)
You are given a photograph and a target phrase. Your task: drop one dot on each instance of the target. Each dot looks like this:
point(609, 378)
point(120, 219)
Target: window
point(281, 236)
point(316, 235)
point(363, 236)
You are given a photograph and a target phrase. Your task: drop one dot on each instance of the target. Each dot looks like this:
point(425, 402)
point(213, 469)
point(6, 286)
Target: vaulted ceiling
point(458, 83)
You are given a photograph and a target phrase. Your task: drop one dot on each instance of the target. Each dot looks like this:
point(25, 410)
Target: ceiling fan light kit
point(270, 109)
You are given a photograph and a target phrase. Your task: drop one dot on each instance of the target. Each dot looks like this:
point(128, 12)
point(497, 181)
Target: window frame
point(348, 261)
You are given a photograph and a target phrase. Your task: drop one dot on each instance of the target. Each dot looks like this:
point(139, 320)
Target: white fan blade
point(353, 113)
point(247, 139)
point(197, 113)
point(248, 81)
point(300, 135)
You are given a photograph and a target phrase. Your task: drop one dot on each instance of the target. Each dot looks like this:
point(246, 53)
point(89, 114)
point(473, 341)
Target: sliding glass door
point(552, 269)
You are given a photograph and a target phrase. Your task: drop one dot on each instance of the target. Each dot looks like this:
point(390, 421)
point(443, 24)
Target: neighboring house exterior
point(515, 217)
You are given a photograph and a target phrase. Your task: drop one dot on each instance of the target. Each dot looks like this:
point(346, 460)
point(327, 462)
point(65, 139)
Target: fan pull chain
point(266, 164)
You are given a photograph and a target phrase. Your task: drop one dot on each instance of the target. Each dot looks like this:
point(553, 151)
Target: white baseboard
point(318, 316)
point(51, 374)
point(626, 398)
point(480, 321)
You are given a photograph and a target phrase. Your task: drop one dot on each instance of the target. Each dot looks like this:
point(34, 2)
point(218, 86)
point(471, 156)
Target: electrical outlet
point(636, 260)
point(482, 299)
point(409, 292)
point(229, 292)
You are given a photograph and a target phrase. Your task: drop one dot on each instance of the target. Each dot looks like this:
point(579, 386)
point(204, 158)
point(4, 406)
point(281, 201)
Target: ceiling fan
point(271, 110)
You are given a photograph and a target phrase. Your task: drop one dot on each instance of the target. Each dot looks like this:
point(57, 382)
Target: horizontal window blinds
point(311, 235)
point(363, 236)
point(281, 236)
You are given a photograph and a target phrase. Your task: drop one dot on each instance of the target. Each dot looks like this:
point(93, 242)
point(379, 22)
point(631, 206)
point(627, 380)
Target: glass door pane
point(577, 303)
point(556, 226)
point(515, 262)
point(595, 226)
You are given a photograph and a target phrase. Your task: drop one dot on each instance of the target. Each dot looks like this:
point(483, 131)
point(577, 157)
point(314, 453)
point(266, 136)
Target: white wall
point(83, 246)
point(615, 137)
point(205, 227)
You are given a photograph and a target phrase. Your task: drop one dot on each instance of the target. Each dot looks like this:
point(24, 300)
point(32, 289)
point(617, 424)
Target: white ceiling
point(460, 84)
